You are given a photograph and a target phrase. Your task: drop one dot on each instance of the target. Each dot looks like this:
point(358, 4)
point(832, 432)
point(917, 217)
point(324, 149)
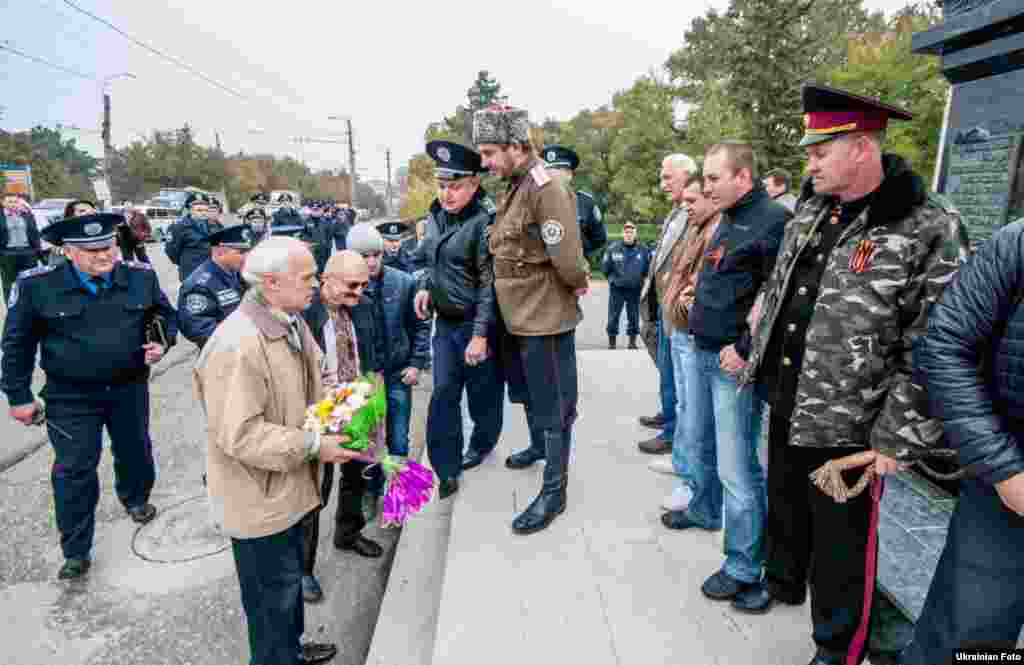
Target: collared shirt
point(17, 232)
point(90, 285)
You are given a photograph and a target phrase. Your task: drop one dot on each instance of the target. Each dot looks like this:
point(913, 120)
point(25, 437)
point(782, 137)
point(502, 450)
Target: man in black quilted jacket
point(972, 364)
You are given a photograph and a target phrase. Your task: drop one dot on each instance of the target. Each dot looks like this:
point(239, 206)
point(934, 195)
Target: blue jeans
point(399, 414)
point(722, 431)
point(682, 349)
point(270, 577)
point(667, 388)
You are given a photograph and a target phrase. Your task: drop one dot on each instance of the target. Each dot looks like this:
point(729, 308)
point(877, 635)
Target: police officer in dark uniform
point(396, 255)
point(320, 233)
point(190, 236)
point(626, 263)
point(214, 290)
point(286, 215)
point(591, 227)
point(457, 282)
point(93, 318)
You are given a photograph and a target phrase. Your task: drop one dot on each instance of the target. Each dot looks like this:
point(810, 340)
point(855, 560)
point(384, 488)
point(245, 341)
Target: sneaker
point(662, 465)
point(679, 499)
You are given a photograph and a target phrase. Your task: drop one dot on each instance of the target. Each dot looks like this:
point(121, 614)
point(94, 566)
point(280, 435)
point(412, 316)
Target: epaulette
point(586, 194)
point(38, 270)
point(540, 175)
point(138, 265)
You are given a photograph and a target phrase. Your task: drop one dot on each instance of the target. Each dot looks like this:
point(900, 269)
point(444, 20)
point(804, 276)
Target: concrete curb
point(14, 457)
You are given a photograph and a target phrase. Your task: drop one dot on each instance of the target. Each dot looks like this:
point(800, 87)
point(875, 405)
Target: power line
point(5, 46)
point(165, 56)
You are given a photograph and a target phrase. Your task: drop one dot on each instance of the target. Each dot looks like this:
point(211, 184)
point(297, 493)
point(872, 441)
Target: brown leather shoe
point(655, 446)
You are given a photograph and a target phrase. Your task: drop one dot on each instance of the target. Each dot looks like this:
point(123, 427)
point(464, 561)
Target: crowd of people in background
point(824, 315)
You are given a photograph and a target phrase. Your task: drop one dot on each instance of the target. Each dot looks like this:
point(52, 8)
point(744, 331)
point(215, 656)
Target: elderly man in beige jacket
point(255, 377)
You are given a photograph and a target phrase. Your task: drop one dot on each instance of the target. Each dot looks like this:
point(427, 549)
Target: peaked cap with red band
point(830, 113)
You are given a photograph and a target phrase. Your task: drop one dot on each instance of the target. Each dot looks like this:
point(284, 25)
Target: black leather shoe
point(755, 599)
point(142, 514)
point(362, 546)
point(541, 512)
point(74, 569)
point(655, 446)
point(473, 459)
point(786, 594)
point(316, 652)
point(652, 422)
point(678, 520)
point(524, 458)
point(447, 487)
point(311, 591)
point(722, 587)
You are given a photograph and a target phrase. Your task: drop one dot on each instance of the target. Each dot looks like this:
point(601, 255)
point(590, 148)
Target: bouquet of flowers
point(358, 410)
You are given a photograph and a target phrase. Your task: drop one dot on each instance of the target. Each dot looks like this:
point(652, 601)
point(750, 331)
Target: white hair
point(680, 161)
point(272, 256)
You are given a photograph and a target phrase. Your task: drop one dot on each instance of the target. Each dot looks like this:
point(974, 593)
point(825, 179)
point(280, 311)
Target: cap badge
point(443, 154)
point(552, 155)
point(246, 235)
point(93, 229)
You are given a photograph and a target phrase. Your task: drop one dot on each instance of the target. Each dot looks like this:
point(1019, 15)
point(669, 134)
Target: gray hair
point(365, 239)
point(270, 257)
point(680, 161)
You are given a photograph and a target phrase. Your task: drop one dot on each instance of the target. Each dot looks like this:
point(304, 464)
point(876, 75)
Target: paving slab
point(606, 583)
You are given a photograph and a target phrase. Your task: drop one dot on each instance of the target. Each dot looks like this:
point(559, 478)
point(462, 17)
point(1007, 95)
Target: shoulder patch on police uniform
point(201, 278)
point(38, 270)
point(597, 213)
point(197, 303)
point(552, 232)
point(540, 175)
point(138, 265)
point(13, 300)
point(586, 194)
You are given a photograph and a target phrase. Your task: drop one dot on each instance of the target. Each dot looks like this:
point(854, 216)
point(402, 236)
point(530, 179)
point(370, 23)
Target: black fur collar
point(901, 191)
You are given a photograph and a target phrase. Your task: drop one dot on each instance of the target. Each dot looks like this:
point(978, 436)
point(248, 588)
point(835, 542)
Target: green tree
point(762, 52)
point(458, 127)
point(880, 64)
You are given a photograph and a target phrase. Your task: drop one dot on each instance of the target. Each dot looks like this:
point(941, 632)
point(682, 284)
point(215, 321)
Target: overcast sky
point(392, 67)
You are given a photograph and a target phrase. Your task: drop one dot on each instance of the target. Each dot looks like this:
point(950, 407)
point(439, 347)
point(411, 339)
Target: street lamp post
point(351, 153)
point(107, 147)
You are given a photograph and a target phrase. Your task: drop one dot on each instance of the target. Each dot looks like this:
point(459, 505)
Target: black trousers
point(349, 519)
point(977, 595)
point(809, 538)
point(618, 298)
point(270, 577)
point(541, 375)
point(10, 266)
point(83, 413)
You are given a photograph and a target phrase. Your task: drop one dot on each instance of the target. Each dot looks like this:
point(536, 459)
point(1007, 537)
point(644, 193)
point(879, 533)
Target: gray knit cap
point(502, 125)
point(365, 239)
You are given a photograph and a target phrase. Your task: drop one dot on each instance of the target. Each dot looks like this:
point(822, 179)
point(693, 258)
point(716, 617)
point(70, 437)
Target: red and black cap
point(830, 113)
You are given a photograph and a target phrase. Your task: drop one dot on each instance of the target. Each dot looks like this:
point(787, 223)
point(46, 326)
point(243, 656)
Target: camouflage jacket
point(891, 263)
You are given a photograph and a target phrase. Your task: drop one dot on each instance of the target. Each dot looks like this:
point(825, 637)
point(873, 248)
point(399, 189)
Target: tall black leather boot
point(534, 453)
point(550, 503)
point(611, 341)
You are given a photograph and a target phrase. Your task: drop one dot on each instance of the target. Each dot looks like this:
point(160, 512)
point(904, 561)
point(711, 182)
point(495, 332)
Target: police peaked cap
point(290, 230)
point(392, 230)
point(454, 161)
point(196, 198)
point(560, 157)
point(830, 113)
point(87, 232)
point(239, 236)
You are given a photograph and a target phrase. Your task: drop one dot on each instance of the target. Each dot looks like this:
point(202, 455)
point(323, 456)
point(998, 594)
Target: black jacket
point(625, 266)
point(84, 339)
point(459, 268)
point(363, 320)
point(739, 258)
point(592, 231)
point(189, 245)
point(971, 360)
point(32, 231)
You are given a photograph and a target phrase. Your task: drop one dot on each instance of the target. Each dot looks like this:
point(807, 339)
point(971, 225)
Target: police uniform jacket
point(85, 339)
point(626, 265)
point(538, 254)
point(457, 266)
point(592, 230)
point(190, 243)
point(320, 233)
point(400, 259)
point(207, 297)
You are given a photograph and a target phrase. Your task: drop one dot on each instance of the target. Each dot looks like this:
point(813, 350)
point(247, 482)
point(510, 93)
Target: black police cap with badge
point(239, 236)
point(194, 198)
point(289, 230)
point(392, 230)
point(454, 161)
point(560, 157)
point(86, 232)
